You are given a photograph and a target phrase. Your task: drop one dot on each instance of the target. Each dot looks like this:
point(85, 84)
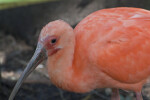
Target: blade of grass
point(19, 1)
point(5, 4)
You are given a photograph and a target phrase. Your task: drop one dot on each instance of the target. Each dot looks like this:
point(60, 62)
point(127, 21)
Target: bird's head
point(53, 38)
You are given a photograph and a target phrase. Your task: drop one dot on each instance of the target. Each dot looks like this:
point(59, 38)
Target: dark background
point(19, 30)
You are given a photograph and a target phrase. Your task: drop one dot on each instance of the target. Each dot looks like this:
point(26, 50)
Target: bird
point(110, 48)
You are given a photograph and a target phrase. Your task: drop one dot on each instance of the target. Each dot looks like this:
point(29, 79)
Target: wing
point(117, 42)
point(124, 52)
point(126, 57)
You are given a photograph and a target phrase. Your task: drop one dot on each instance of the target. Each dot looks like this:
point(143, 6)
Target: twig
point(100, 95)
point(61, 94)
point(87, 97)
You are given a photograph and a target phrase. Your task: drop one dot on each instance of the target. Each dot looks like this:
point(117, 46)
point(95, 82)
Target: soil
point(19, 30)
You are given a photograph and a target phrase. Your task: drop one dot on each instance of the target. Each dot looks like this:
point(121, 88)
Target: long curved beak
point(38, 57)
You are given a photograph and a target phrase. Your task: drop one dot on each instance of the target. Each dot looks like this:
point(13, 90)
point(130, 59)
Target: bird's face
point(53, 38)
point(50, 44)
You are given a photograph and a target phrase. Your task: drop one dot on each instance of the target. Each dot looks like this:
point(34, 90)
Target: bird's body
point(109, 48)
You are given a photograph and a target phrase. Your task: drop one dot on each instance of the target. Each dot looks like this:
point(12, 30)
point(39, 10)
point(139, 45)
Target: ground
point(19, 30)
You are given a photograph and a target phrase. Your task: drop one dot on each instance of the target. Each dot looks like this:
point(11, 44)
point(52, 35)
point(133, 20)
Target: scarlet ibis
point(108, 48)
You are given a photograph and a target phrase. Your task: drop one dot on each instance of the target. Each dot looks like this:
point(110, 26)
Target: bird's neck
point(63, 71)
point(60, 65)
point(66, 73)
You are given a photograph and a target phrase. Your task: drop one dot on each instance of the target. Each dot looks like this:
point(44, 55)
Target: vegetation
point(5, 4)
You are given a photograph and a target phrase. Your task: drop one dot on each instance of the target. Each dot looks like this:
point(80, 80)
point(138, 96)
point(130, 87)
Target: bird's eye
point(53, 41)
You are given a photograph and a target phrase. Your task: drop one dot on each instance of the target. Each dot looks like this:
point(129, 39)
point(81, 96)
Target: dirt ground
point(17, 47)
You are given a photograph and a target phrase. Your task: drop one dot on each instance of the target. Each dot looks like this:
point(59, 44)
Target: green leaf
point(5, 4)
point(21, 1)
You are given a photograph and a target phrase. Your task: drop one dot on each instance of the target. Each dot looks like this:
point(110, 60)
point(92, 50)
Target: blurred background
point(20, 25)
